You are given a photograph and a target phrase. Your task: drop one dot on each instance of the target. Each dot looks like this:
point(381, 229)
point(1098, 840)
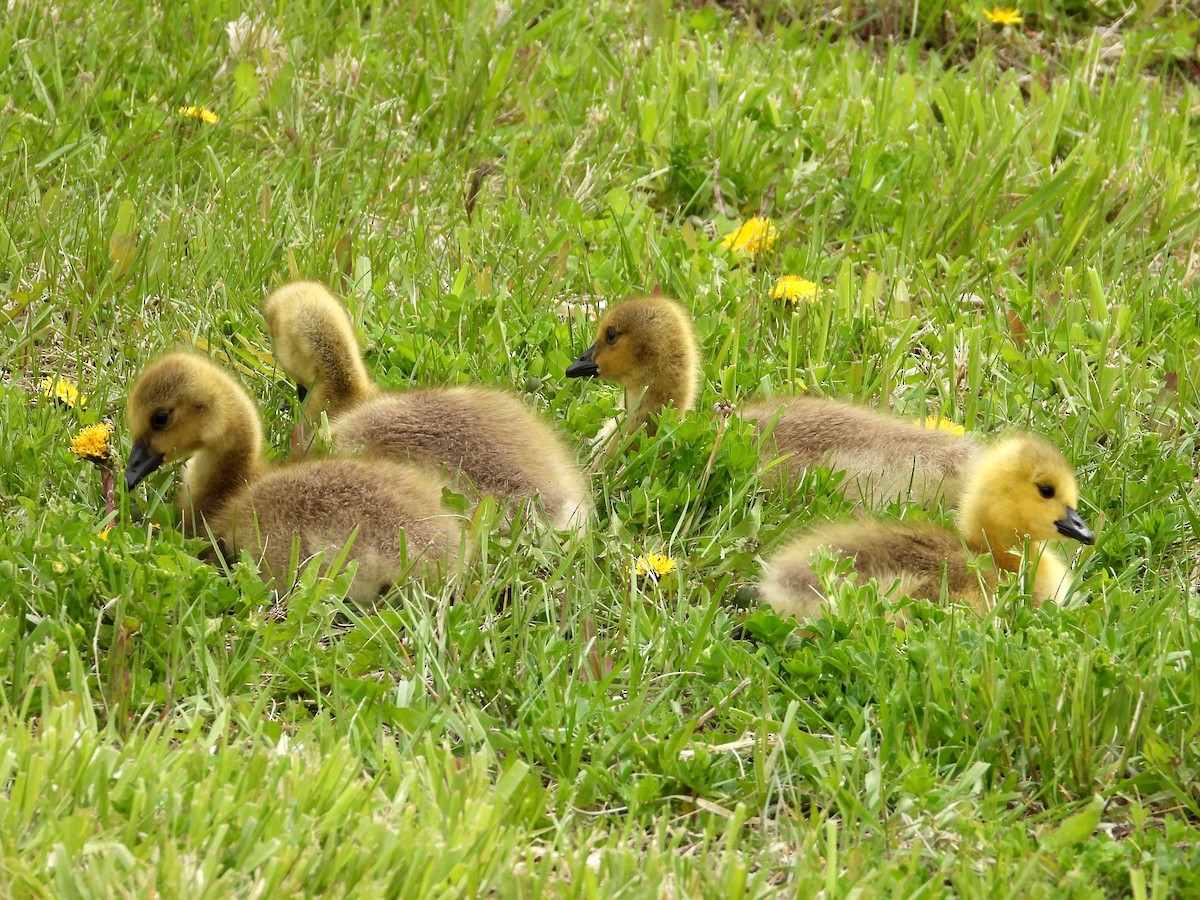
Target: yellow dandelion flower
point(655, 564)
point(1003, 16)
point(199, 113)
point(57, 388)
point(754, 236)
point(104, 534)
point(92, 443)
point(937, 423)
point(795, 290)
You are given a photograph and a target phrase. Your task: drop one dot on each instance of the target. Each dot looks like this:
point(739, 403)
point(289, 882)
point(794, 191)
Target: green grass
point(1005, 228)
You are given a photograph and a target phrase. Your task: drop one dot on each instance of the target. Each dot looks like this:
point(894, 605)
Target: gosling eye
point(160, 418)
point(611, 335)
point(1046, 490)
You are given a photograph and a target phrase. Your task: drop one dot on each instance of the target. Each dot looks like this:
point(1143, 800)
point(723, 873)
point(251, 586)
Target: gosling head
point(182, 405)
point(1022, 487)
point(645, 344)
point(314, 343)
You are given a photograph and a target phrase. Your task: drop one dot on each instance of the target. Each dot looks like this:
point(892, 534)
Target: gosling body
point(918, 557)
point(185, 408)
point(1021, 491)
point(884, 458)
point(485, 440)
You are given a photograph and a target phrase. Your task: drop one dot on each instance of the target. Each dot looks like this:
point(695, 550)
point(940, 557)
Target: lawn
point(1002, 224)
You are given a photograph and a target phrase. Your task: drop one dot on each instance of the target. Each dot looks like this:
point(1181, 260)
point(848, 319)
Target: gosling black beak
point(1074, 527)
point(140, 464)
point(585, 366)
point(301, 391)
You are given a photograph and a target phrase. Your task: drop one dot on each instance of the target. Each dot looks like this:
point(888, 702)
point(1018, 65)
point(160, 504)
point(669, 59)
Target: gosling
point(648, 345)
point(1022, 488)
point(484, 439)
point(183, 407)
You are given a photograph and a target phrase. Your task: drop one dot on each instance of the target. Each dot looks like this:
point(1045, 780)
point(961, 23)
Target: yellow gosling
point(1020, 490)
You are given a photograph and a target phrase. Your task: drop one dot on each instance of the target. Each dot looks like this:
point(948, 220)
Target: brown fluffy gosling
point(648, 345)
point(1020, 489)
point(884, 457)
point(183, 407)
point(485, 439)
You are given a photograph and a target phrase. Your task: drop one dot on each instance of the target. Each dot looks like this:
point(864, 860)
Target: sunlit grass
point(995, 227)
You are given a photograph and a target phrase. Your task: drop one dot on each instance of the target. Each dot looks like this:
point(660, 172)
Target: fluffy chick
point(485, 440)
point(185, 408)
point(1022, 489)
point(648, 345)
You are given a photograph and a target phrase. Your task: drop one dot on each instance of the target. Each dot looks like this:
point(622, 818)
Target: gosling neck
point(982, 534)
point(1005, 550)
point(1051, 576)
point(223, 468)
point(342, 381)
point(676, 386)
point(642, 406)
